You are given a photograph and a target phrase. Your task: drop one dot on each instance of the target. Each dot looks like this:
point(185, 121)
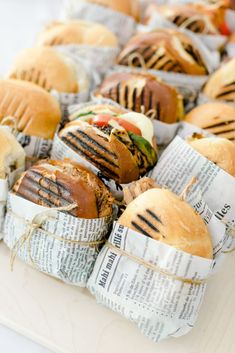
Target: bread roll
point(12, 155)
point(35, 111)
point(161, 215)
point(221, 84)
point(127, 7)
point(217, 118)
point(142, 92)
point(77, 32)
point(163, 49)
point(47, 68)
point(218, 150)
point(61, 183)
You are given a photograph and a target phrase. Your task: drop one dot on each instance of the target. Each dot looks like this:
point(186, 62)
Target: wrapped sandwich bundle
point(90, 42)
point(212, 162)
point(204, 20)
point(143, 93)
point(58, 215)
point(12, 163)
point(118, 147)
point(154, 267)
point(119, 16)
point(64, 76)
point(33, 114)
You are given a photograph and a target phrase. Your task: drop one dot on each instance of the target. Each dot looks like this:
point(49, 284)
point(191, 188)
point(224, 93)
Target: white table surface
point(20, 20)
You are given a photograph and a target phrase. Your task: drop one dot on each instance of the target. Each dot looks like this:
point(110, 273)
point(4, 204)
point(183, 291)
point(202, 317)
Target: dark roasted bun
point(117, 154)
point(142, 92)
point(161, 215)
point(61, 183)
point(163, 49)
point(221, 84)
point(216, 117)
point(198, 18)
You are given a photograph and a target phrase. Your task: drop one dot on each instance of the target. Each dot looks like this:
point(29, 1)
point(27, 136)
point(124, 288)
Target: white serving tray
point(66, 319)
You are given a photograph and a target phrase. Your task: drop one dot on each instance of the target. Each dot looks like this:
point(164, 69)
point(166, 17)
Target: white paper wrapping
point(35, 147)
point(158, 304)
point(180, 162)
point(121, 25)
point(53, 246)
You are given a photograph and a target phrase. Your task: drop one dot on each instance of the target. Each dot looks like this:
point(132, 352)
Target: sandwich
point(127, 7)
point(218, 150)
point(35, 111)
point(121, 146)
point(216, 118)
point(221, 84)
point(163, 49)
point(163, 216)
point(196, 17)
point(47, 68)
point(62, 183)
point(12, 155)
point(77, 32)
point(142, 92)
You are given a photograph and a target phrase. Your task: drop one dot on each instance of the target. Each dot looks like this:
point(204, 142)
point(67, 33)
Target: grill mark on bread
point(223, 94)
point(148, 223)
point(92, 159)
point(140, 229)
point(151, 213)
point(224, 123)
point(118, 92)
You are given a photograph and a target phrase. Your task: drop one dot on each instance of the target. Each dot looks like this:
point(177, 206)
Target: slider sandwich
point(221, 84)
point(126, 7)
point(77, 32)
point(12, 155)
point(163, 49)
point(218, 150)
point(163, 216)
point(216, 118)
point(62, 183)
point(142, 92)
point(34, 111)
point(120, 145)
point(49, 69)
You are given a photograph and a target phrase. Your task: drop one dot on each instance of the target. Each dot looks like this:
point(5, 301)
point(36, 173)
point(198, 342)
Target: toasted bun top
point(47, 68)
point(62, 183)
point(12, 155)
point(221, 84)
point(162, 215)
point(36, 112)
point(218, 150)
point(142, 91)
point(97, 108)
point(216, 118)
point(77, 32)
point(163, 49)
point(127, 7)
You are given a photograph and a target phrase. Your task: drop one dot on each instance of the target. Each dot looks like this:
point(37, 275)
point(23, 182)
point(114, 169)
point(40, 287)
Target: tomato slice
point(224, 29)
point(104, 119)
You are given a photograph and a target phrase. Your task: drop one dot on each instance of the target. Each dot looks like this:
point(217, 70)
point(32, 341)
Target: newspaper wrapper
point(5, 186)
point(151, 283)
point(230, 49)
point(121, 25)
point(52, 241)
point(213, 42)
point(180, 162)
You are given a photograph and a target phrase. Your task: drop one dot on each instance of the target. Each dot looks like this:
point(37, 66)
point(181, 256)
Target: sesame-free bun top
point(12, 155)
point(215, 117)
point(77, 32)
point(34, 110)
point(127, 7)
point(47, 68)
point(162, 215)
point(221, 84)
point(218, 150)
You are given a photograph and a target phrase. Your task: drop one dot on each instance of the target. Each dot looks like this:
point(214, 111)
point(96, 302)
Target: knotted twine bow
point(35, 224)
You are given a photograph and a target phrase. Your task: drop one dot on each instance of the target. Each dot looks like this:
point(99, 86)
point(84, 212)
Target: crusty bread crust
point(77, 32)
point(162, 215)
point(47, 68)
point(36, 112)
